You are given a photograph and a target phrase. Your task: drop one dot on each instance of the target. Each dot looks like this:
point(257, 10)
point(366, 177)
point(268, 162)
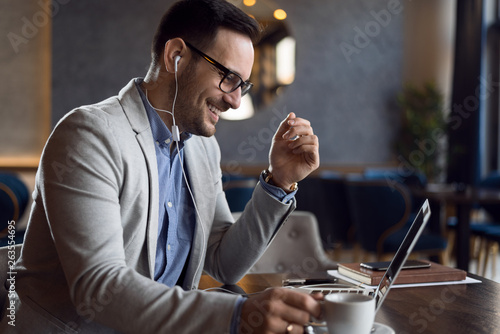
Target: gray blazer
point(88, 258)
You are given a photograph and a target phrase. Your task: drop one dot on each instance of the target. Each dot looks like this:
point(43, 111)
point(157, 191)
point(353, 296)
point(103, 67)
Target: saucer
point(382, 329)
point(378, 328)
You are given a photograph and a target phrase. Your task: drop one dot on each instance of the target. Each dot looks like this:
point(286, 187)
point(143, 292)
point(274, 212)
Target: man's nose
point(233, 98)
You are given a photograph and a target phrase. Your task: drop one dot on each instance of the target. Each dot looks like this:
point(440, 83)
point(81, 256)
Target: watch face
point(267, 176)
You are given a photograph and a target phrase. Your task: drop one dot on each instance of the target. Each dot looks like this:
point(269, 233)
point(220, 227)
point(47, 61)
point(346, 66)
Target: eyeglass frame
point(245, 85)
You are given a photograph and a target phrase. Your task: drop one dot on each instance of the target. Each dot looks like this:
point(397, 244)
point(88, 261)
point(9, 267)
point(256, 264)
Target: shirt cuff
point(276, 192)
point(235, 319)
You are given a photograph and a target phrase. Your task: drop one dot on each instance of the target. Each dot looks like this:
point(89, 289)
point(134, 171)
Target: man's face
point(200, 101)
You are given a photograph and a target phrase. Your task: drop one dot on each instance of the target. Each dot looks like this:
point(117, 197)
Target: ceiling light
point(249, 3)
point(279, 14)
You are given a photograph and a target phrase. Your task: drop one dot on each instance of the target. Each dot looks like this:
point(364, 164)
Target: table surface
point(463, 308)
point(470, 195)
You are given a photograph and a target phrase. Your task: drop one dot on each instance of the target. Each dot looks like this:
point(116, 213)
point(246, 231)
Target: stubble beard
point(187, 113)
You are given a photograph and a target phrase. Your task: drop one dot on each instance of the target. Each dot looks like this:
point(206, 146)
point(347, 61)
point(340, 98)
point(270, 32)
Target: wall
point(25, 28)
point(98, 46)
point(352, 58)
point(349, 100)
point(428, 52)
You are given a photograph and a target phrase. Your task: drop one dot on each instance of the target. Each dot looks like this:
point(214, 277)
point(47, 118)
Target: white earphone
point(176, 137)
point(176, 60)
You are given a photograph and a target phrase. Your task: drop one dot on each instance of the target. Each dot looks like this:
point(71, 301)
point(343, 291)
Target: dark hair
point(197, 21)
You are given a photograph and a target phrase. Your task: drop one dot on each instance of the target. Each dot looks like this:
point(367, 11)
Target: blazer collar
point(133, 107)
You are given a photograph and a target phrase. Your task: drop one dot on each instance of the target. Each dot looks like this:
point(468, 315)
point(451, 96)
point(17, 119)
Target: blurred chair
point(14, 197)
point(5, 257)
point(238, 190)
point(408, 178)
point(489, 231)
point(325, 197)
point(489, 251)
point(336, 204)
point(381, 214)
point(413, 179)
point(483, 247)
point(296, 248)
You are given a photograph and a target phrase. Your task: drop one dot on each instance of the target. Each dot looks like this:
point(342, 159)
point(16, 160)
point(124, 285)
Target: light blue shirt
point(175, 220)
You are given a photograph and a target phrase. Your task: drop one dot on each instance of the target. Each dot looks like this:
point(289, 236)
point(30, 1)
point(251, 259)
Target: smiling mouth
point(215, 112)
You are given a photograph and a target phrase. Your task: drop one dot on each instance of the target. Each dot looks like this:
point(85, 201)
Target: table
point(463, 201)
point(457, 309)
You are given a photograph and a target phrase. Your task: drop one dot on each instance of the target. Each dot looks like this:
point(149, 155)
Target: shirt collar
point(160, 131)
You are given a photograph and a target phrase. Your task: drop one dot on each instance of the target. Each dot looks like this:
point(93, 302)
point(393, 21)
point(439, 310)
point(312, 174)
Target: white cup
point(348, 313)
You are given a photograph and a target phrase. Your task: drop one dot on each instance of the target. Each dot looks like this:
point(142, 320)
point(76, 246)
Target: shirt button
point(168, 247)
point(169, 204)
point(157, 142)
point(167, 141)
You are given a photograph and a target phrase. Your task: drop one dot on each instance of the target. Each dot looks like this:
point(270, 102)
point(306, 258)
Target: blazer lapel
point(199, 175)
point(200, 182)
point(134, 110)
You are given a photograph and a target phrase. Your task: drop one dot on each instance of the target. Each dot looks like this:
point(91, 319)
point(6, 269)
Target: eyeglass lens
point(231, 82)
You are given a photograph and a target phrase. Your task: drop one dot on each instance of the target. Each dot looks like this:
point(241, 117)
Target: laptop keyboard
point(354, 291)
point(334, 288)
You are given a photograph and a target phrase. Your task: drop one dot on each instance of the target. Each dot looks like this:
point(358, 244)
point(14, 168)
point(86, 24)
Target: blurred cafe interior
point(403, 95)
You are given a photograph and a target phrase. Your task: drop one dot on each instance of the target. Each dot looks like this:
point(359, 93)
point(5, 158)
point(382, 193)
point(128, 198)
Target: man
point(129, 209)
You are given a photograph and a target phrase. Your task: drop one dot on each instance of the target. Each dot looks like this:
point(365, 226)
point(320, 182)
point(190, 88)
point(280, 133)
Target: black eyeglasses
point(230, 80)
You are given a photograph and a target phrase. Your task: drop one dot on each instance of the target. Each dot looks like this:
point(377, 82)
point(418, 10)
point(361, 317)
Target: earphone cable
point(175, 134)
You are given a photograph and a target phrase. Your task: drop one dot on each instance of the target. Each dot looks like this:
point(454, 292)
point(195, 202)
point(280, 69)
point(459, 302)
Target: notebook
point(434, 273)
point(392, 272)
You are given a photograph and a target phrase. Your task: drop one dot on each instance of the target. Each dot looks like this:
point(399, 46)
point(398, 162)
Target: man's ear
point(172, 53)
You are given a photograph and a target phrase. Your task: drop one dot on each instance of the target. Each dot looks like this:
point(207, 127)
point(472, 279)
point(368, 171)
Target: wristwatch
point(267, 175)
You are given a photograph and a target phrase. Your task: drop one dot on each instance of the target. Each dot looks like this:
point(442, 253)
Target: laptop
point(394, 268)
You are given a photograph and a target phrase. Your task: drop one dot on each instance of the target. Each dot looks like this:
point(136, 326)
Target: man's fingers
point(297, 308)
point(300, 127)
point(286, 125)
point(303, 302)
point(305, 140)
point(276, 309)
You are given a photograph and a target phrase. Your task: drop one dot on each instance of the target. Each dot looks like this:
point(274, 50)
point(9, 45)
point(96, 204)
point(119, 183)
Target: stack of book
point(435, 273)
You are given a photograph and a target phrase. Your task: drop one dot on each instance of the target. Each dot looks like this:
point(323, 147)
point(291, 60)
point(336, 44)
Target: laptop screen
point(402, 254)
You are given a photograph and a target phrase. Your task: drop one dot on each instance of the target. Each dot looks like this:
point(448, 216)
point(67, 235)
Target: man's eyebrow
point(235, 72)
point(241, 76)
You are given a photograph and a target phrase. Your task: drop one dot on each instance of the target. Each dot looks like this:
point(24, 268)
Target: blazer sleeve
point(233, 247)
